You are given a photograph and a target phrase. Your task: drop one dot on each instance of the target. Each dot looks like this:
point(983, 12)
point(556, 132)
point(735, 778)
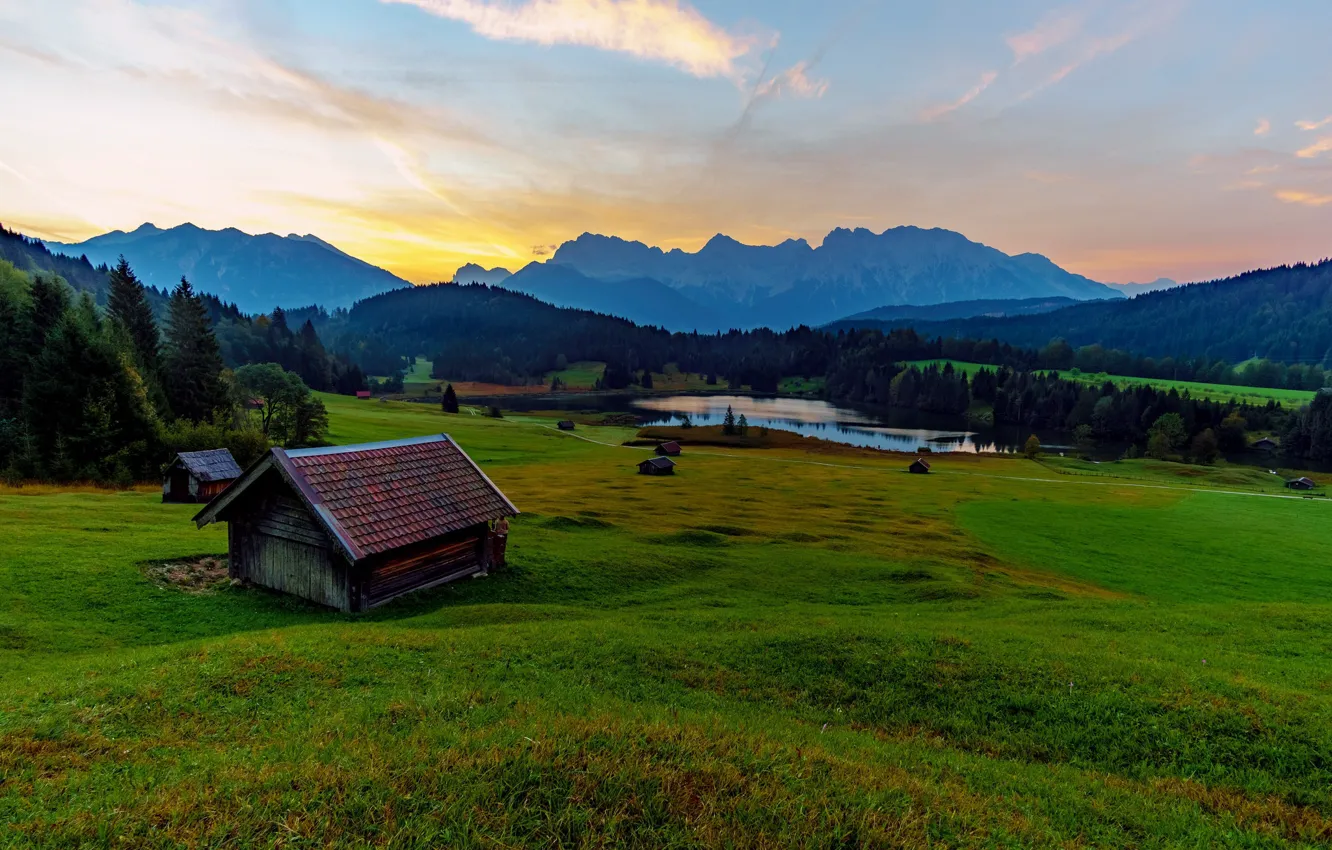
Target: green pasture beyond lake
point(1216, 392)
point(773, 648)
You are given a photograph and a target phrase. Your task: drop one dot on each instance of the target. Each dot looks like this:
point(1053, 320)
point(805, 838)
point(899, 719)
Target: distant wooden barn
point(1266, 444)
point(566, 425)
point(362, 393)
point(352, 527)
point(657, 466)
point(1301, 484)
point(196, 477)
point(671, 449)
point(921, 466)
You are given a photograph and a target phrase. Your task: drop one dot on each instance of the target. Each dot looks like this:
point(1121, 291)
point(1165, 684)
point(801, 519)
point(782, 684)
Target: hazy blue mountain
point(1131, 289)
point(643, 301)
point(885, 316)
point(851, 271)
point(258, 273)
point(472, 273)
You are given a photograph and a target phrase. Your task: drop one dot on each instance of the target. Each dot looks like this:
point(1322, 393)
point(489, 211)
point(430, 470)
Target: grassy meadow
point(793, 645)
point(1215, 392)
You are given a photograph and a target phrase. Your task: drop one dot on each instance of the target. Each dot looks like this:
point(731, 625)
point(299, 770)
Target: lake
point(893, 430)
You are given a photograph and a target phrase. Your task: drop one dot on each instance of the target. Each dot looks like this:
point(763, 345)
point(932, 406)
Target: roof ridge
point(323, 451)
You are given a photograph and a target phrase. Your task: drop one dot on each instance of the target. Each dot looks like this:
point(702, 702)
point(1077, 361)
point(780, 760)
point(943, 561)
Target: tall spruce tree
point(193, 362)
point(127, 305)
point(449, 402)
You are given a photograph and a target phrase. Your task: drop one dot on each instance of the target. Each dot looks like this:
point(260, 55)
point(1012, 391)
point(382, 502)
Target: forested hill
point(1283, 314)
point(30, 255)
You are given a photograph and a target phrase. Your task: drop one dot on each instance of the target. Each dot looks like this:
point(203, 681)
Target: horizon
point(1125, 141)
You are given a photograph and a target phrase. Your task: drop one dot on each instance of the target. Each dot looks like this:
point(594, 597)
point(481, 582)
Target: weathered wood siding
point(432, 563)
point(275, 543)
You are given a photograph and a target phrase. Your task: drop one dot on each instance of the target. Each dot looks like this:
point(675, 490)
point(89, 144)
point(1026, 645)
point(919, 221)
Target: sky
point(1124, 139)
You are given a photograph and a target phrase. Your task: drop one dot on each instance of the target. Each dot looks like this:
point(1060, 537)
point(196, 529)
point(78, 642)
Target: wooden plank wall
point(276, 544)
point(453, 557)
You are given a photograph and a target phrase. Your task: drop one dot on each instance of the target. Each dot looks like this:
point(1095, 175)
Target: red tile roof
point(387, 495)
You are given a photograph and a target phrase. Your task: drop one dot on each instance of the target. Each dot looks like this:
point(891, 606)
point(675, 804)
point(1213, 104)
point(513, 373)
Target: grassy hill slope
point(773, 648)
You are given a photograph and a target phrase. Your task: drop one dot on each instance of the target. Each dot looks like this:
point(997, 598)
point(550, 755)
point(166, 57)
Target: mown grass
point(773, 648)
point(1215, 392)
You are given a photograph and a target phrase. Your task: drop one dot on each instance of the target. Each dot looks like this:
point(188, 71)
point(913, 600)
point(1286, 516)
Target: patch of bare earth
point(206, 574)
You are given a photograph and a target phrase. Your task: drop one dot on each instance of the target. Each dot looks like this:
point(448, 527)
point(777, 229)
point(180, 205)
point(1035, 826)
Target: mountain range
point(728, 284)
point(257, 273)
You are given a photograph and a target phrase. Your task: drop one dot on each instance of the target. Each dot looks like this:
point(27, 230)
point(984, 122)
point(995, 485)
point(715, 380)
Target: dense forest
point(1282, 314)
point(102, 393)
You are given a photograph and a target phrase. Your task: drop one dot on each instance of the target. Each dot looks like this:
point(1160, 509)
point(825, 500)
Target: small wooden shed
point(567, 425)
point(196, 477)
point(362, 393)
point(657, 466)
point(1301, 484)
point(921, 466)
point(353, 527)
point(1266, 444)
point(671, 449)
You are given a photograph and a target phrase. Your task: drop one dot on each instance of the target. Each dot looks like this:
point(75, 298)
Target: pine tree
point(450, 401)
point(193, 362)
point(51, 297)
point(742, 427)
point(728, 423)
point(127, 305)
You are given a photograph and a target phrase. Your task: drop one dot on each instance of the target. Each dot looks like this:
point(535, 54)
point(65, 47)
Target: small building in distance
point(196, 477)
point(671, 449)
point(657, 466)
point(352, 527)
point(921, 466)
point(567, 425)
point(362, 393)
point(1266, 444)
point(1301, 484)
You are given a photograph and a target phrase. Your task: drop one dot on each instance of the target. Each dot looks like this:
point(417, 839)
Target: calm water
point(894, 430)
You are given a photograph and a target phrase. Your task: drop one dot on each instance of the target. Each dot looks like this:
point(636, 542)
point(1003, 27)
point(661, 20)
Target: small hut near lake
point(196, 477)
point(362, 393)
point(671, 449)
point(1266, 444)
point(921, 466)
point(567, 425)
point(657, 466)
point(1301, 484)
point(352, 527)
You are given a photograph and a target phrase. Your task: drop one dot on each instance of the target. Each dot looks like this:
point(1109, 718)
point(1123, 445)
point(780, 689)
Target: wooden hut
point(352, 527)
point(196, 477)
point(671, 449)
point(921, 466)
point(1266, 444)
point(657, 466)
point(566, 425)
point(362, 393)
point(1301, 484)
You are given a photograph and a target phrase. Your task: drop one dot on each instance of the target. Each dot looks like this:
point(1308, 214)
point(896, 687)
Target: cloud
point(544, 250)
point(1321, 146)
point(666, 31)
point(1056, 28)
point(1314, 125)
point(934, 113)
point(1308, 199)
point(794, 81)
point(1264, 127)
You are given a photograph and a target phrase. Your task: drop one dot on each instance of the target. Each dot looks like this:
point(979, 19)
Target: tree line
point(105, 394)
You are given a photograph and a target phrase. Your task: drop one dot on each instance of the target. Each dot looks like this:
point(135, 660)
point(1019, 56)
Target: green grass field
point(1216, 392)
point(777, 647)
